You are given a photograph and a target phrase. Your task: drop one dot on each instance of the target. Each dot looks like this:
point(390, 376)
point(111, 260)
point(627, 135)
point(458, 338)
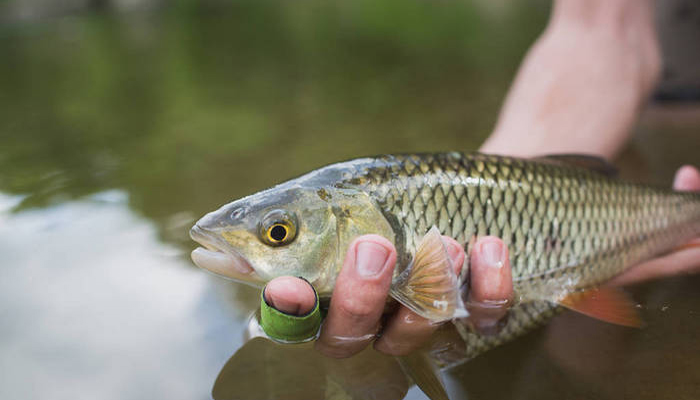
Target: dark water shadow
point(263, 369)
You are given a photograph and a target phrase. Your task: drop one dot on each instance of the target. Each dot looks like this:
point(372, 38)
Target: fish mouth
point(219, 258)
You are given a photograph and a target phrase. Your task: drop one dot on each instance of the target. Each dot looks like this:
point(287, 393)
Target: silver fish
point(569, 225)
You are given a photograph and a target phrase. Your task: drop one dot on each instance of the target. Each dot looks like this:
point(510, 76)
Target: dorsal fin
point(429, 286)
point(586, 161)
point(606, 304)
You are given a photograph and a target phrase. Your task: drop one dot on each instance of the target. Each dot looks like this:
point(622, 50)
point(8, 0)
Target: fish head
point(289, 230)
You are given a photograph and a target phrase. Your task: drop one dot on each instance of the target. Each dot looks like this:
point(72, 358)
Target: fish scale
point(566, 227)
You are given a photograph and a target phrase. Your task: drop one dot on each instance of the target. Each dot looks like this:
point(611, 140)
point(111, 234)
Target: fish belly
point(566, 227)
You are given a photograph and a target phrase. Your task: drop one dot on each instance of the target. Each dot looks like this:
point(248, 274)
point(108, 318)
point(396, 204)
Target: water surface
point(117, 131)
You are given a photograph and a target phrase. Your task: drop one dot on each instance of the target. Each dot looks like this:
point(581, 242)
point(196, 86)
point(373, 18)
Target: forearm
point(582, 84)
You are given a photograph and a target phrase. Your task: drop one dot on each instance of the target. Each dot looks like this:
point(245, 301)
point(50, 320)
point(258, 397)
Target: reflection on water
point(575, 357)
point(262, 369)
point(117, 131)
point(94, 306)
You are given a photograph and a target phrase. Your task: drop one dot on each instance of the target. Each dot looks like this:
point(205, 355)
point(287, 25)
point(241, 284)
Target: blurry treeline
point(187, 105)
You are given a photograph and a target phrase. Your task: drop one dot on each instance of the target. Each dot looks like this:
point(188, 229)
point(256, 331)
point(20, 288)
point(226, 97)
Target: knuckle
point(356, 309)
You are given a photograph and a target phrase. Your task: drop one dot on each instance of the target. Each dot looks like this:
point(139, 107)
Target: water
point(118, 130)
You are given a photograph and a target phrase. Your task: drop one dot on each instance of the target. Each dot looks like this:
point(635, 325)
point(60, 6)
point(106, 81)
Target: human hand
point(359, 298)
point(685, 259)
point(361, 290)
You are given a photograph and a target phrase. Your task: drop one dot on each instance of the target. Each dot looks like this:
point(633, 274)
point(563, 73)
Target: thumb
point(290, 295)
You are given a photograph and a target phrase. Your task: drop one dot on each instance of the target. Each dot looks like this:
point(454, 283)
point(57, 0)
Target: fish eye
point(278, 228)
point(277, 233)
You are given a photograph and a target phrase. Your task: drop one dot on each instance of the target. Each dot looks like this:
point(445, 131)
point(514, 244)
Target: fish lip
point(217, 248)
point(197, 233)
point(210, 241)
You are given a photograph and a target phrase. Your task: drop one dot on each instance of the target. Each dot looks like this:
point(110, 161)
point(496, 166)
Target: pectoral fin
point(606, 304)
point(429, 286)
point(419, 367)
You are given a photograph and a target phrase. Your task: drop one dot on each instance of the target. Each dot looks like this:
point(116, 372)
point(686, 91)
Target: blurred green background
point(198, 103)
point(121, 122)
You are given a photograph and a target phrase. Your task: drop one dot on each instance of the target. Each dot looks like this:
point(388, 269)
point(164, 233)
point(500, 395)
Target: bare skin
point(358, 300)
point(579, 90)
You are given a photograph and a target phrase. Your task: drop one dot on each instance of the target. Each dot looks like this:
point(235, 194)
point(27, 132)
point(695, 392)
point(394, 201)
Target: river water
point(118, 130)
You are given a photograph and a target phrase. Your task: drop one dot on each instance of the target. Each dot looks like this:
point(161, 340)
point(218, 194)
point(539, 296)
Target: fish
point(569, 223)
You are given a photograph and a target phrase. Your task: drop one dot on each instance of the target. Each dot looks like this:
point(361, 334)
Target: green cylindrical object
point(284, 327)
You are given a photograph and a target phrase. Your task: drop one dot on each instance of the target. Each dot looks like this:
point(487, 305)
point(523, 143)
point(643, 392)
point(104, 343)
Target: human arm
point(582, 84)
point(579, 89)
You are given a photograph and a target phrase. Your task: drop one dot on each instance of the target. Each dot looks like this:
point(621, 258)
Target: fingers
point(363, 286)
point(686, 259)
point(687, 179)
point(406, 330)
point(456, 253)
point(491, 284)
point(490, 294)
point(682, 261)
point(358, 298)
point(290, 295)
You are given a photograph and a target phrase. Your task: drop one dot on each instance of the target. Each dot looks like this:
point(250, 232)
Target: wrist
point(581, 86)
point(626, 26)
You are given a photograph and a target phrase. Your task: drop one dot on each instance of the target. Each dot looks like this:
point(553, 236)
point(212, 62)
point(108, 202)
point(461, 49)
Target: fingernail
point(371, 258)
point(678, 179)
point(493, 253)
point(686, 179)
